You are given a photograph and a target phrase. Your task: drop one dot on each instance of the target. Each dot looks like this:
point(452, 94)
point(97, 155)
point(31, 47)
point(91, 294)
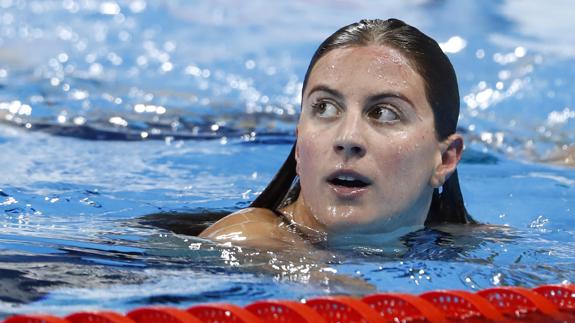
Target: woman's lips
point(348, 184)
point(348, 193)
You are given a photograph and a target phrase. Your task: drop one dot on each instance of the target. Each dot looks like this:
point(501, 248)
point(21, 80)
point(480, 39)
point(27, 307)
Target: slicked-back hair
point(441, 90)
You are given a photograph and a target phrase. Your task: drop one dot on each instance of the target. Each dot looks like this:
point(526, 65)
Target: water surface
point(115, 110)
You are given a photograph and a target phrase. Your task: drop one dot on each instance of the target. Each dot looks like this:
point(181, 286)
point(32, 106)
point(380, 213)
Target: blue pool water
point(193, 105)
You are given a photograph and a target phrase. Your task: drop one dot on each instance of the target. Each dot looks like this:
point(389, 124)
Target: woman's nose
point(349, 148)
point(350, 142)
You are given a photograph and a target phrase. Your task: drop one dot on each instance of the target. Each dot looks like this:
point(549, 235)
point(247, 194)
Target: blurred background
point(111, 110)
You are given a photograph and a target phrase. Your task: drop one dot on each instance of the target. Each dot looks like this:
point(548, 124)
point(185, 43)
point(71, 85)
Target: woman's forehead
point(375, 66)
point(371, 58)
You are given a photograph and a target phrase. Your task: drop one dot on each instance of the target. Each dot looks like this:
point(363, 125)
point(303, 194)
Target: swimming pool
point(194, 103)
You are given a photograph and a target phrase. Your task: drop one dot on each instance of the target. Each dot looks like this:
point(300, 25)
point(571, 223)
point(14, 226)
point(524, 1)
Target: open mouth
point(349, 180)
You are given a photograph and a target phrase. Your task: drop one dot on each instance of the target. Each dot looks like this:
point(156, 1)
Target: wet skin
point(367, 154)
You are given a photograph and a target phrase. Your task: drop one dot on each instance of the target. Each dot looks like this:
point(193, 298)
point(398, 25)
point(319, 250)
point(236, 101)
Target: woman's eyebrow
point(371, 99)
point(386, 95)
point(325, 88)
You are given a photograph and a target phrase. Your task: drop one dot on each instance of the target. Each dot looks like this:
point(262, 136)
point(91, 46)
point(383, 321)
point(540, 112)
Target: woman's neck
point(302, 217)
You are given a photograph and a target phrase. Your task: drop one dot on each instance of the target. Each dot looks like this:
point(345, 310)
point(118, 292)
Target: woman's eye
point(383, 114)
point(325, 110)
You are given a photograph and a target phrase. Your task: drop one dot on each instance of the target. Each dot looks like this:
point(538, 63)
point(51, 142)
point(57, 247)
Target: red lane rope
point(162, 314)
point(215, 313)
point(284, 312)
point(404, 307)
point(101, 317)
point(463, 306)
point(521, 303)
point(344, 309)
point(545, 303)
point(562, 296)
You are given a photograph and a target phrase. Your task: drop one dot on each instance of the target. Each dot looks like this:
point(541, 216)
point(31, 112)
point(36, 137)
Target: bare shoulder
point(252, 227)
point(249, 216)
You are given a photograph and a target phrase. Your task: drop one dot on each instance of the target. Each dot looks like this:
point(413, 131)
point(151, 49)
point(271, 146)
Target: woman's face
point(366, 145)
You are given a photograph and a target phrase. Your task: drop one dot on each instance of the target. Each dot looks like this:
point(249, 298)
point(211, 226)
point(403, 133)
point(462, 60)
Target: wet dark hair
point(441, 89)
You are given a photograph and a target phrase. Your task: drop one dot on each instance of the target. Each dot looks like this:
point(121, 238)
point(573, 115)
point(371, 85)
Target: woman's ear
point(451, 149)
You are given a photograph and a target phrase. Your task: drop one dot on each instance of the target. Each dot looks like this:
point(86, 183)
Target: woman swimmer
point(376, 141)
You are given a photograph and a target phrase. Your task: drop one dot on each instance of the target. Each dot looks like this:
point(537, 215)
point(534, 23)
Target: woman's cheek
point(308, 151)
point(414, 165)
point(401, 161)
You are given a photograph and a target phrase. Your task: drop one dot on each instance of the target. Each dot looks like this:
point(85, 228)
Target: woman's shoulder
point(249, 216)
point(251, 227)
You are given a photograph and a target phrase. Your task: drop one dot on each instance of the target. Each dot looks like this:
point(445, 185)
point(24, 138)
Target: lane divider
point(547, 303)
point(463, 306)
